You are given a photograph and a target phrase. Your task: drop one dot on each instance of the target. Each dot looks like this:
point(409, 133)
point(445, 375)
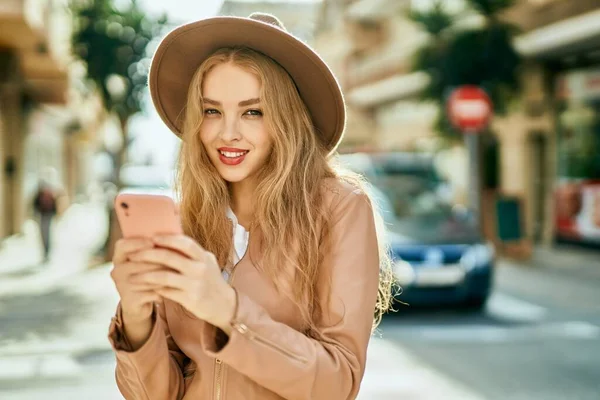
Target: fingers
point(125, 270)
point(166, 258)
point(161, 279)
point(124, 247)
point(147, 296)
point(183, 244)
point(172, 294)
point(138, 306)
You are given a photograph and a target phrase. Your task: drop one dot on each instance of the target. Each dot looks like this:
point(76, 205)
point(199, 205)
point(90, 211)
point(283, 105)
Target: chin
point(233, 176)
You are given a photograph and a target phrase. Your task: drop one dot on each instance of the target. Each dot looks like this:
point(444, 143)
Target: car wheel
point(476, 302)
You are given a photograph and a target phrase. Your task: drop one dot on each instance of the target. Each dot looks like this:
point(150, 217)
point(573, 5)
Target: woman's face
point(233, 130)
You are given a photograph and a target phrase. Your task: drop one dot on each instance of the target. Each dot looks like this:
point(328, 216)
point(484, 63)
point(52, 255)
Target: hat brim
point(183, 50)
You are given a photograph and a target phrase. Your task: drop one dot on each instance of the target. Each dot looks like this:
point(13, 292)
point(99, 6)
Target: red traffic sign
point(469, 108)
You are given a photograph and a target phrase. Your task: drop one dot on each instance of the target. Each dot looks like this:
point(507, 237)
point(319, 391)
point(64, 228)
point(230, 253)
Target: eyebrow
point(242, 103)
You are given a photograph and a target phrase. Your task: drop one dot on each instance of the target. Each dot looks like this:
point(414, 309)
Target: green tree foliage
point(455, 56)
point(113, 44)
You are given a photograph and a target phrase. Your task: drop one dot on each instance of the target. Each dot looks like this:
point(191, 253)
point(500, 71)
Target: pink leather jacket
point(267, 355)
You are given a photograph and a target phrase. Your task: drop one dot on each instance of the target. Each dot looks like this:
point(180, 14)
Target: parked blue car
point(439, 256)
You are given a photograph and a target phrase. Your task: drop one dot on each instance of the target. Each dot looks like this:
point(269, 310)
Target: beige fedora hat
point(183, 50)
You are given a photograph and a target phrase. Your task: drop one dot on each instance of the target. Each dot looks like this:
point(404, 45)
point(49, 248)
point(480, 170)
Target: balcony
point(388, 90)
point(366, 70)
point(534, 14)
point(374, 10)
point(383, 51)
point(22, 23)
point(39, 32)
point(569, 35)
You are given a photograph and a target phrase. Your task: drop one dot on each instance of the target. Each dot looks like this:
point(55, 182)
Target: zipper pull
point(241, 328)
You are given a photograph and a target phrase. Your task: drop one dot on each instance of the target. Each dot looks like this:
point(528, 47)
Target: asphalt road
point(539, 337)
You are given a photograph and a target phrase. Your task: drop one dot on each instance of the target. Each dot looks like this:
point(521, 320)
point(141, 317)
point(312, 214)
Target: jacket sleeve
point(154, 371)
point(288, 362)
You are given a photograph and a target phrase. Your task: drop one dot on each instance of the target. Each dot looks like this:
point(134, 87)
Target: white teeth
point(230, 154)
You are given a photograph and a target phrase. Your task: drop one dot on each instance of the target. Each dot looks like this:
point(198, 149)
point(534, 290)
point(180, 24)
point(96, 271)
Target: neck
point(242, 204)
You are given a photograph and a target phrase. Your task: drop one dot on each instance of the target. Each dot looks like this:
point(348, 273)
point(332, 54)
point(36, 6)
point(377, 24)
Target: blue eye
point(211, 111)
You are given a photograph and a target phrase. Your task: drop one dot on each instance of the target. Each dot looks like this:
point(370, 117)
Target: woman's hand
point(136, 298)
point(192, 278)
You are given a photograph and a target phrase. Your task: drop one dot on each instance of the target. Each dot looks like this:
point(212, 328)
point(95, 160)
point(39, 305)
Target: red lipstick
point(232, 155)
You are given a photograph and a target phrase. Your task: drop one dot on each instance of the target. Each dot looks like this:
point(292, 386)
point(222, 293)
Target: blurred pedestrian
point(45, 205)
point(261, 201)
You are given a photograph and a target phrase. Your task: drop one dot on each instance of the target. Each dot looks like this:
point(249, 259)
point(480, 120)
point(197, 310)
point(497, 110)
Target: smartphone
point(147, 215)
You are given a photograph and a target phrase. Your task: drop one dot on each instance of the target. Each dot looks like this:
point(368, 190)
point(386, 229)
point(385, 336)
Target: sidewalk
point(88, 300)
point(392, 372)
point(76, 235)
point(563, 258)
point(21, 253)
point(66, 355)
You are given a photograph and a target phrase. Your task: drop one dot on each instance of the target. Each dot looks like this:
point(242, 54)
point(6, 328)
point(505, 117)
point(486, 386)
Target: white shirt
point(240, 240)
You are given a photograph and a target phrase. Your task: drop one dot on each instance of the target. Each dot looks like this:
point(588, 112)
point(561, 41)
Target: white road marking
point(570, 330)
point(576, 329)
point(16, 368)
point(507, 307)
point(503, 308)
point(28, 367)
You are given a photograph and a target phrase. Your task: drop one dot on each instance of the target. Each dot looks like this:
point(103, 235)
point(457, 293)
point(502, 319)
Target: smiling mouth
point(232, 157)
point(233, 154)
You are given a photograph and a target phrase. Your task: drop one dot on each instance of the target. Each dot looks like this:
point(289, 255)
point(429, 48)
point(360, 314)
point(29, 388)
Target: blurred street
point(538, 338)
point(475, 122)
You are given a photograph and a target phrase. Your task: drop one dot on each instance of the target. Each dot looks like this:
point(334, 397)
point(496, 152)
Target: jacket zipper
point(218, 375)
point(219, 367)
point(244, 330)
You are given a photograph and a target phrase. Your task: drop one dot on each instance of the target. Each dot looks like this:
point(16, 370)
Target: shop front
point(577, 188)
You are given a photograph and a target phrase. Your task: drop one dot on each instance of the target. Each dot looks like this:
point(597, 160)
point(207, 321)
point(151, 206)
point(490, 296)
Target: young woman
point(276, 286)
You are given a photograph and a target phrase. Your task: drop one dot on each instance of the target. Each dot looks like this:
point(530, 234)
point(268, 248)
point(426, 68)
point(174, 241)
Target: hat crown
point(267, 19)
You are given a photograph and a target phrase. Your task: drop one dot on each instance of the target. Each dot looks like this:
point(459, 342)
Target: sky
point(152, 137)
point(184, 10)
point(188, 10)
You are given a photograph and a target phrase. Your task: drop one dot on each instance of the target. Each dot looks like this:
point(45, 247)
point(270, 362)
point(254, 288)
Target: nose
point(230, 130)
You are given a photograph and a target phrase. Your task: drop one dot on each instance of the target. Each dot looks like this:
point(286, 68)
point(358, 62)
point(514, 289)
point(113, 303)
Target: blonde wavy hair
point(289, 192)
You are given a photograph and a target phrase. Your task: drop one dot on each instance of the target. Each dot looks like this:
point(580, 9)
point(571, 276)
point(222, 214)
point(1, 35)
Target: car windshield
point(412, 197)
point(408, 196)
point(416, 208)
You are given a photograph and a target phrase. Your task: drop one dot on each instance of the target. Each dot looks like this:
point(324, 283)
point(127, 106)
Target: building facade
point(298, 17)
point(559, 142)
point(538, 144)
point(45, 124)
point(371, 43)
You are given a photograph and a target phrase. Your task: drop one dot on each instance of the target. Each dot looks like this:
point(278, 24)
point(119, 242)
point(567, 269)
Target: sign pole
point(470, 110)
point(472, 145)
